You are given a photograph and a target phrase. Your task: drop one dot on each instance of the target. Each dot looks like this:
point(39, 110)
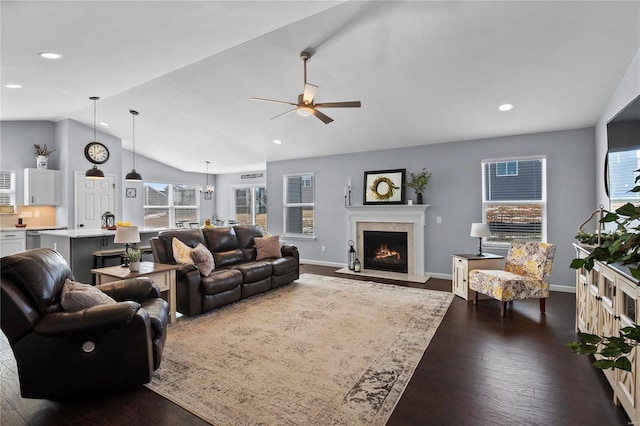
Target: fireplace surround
point(391, 218)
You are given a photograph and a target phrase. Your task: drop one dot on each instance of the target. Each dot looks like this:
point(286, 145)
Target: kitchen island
point(77, 246)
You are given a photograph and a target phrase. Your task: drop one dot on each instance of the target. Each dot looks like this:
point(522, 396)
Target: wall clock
point(96, 152)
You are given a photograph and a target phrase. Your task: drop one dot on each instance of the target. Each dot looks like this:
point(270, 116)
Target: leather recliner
point(64, 354)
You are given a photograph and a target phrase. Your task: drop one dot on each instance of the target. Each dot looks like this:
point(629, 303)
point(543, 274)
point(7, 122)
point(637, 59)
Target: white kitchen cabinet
point(12, 241)
point(42, 187)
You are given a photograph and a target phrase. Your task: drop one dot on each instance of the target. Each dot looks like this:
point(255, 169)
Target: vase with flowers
point(42, 155)
point(417, 182)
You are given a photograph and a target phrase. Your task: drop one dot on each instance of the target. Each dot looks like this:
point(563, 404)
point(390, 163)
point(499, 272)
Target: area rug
point(319, 351)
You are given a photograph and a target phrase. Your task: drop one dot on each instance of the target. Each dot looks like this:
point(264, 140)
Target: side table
point(463, 263)
point(162, 274)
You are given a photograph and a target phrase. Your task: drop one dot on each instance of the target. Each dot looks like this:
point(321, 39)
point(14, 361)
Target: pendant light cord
point(134, 141)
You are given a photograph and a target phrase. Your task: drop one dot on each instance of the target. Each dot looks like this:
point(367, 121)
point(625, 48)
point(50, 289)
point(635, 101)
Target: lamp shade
point(127, 235)
point(480, 230)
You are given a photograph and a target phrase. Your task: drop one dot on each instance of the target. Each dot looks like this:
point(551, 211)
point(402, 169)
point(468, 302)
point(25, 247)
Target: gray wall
point(16, 148)
point(453, 193)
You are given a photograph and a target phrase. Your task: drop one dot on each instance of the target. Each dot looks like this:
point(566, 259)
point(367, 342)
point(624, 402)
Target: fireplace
point(385, 251)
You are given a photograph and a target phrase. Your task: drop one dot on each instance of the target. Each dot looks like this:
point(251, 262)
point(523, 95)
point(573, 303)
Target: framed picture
point(384, 187)
point(130, 193)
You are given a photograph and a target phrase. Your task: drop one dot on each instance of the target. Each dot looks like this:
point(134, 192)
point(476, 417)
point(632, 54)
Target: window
point(299, 207)
point(250, 205)
point(507, 168)
point(165, 204)
point(622, 174)
point(7, 188)
point(514, 199)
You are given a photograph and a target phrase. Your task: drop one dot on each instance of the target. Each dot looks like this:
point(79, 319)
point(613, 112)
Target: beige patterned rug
point(320, 351)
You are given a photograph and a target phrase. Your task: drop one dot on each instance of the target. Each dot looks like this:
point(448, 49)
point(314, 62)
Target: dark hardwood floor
point(479, 369)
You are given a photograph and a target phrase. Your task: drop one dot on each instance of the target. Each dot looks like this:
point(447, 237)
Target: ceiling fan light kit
point(305, 105)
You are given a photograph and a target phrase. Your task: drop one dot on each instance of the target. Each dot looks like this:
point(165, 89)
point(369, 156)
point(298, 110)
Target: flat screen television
point(623, 155)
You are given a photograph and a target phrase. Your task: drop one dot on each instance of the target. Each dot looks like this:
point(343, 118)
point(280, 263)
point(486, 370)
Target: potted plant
point(621, 246)
point(42, 155)
point(417, 182)
point(134, 256)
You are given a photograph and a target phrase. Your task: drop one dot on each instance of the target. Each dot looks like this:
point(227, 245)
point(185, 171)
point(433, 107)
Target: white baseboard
point(562, 288)
point(323, 263)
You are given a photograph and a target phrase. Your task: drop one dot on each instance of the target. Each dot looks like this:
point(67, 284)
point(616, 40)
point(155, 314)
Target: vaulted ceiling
point(425, 71)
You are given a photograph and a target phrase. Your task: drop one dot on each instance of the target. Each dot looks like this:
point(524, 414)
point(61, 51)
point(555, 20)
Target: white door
point(93, 198)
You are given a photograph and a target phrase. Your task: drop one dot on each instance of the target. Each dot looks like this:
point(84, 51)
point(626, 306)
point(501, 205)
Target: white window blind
point(7, 188)
point(514, 199)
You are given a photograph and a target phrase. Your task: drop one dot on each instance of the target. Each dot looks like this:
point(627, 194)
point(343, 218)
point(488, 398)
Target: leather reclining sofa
point(237, 274)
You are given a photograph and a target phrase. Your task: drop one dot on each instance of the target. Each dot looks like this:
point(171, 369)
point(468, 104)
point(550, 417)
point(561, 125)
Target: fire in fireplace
point(385, 251)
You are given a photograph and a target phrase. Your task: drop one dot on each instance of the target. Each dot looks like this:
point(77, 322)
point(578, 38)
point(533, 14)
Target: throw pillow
point(267, 247)
point(203, 259)
point(77, 296)
point(181, 252)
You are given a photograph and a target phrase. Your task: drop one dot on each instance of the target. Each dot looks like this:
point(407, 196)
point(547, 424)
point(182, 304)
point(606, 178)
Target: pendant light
point(133, 175)
point(94, 172)
point(207, 191)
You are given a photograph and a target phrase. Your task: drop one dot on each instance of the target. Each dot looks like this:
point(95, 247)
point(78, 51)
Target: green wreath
point(390, 191)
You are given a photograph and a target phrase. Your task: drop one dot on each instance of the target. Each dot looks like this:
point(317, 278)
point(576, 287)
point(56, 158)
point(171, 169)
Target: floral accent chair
point(526, 275)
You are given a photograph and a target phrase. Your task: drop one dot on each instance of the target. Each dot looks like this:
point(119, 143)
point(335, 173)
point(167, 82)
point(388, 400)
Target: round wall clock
point(96, 152)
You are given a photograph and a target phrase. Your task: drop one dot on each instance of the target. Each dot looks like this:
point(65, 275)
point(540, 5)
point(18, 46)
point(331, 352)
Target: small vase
point(420, 199)
point(134, 266)
point(41, 162)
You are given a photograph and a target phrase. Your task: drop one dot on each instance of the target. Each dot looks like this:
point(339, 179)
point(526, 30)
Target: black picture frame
point(385, 186)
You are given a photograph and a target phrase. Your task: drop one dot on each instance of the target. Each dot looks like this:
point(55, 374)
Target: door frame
point(251, 186)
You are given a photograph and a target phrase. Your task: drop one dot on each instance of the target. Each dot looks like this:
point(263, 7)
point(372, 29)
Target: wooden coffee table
point(162, 274)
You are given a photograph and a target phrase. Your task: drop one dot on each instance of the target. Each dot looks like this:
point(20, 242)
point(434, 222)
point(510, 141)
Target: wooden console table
point(162, 274)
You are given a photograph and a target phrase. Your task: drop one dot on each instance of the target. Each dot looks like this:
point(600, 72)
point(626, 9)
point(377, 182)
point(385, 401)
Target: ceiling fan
point(305, 105)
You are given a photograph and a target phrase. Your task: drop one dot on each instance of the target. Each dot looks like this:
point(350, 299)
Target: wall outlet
point(438, 219)
point(26, 214)
point(324, 248)
point(36, 214)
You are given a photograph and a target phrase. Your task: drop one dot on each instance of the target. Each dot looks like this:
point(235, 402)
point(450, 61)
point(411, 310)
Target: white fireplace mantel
point(395, 213)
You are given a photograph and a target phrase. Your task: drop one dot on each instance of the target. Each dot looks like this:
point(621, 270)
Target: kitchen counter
point(77, 246)
point(32, 228)
point(96, 232)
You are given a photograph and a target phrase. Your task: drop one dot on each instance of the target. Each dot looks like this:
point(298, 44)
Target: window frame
point(542, 201)
point(286, 206)
point(171, 206)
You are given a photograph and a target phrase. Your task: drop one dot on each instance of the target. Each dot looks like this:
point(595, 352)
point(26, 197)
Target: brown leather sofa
point(62, 354)
point(237, 273)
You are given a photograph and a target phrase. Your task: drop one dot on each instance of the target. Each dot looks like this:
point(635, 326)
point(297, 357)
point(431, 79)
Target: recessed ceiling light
point(102, 123)
point(50, 55)
point(13, 86)
point(505, 107)
point(277, 141)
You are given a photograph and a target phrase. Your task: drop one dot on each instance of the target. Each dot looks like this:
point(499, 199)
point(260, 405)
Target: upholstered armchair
point(64, 350)
point(526, 275)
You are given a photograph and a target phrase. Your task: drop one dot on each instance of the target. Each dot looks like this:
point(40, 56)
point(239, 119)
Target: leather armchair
point(63, 354)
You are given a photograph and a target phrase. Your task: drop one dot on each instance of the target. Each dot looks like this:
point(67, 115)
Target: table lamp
point(126, 235)
point(480, 230)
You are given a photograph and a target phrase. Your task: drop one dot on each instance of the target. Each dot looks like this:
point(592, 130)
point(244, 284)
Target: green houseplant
point(417, 182)
point(134, 256)
point(622, 246)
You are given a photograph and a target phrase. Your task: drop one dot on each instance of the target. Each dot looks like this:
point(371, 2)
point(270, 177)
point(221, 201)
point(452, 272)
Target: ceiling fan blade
point(286, 112)
point(309, 93)
point(350, 104)
point(273, 101)
point(325, 118)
